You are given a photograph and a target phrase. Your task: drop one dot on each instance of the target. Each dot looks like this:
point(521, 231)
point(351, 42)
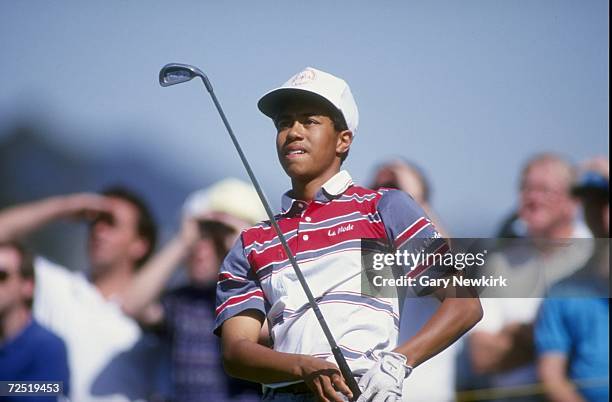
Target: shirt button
point(305, 237)
point(308, 219)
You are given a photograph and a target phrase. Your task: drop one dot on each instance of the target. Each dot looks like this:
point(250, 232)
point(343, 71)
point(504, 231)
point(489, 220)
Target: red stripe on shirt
point(237, 299)
point(226, 275)
point(411, 231)
point(422, 267)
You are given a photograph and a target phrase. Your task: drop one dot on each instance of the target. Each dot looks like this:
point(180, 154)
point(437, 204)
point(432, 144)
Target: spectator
point(512, 227)
point(108, 356)
point(546, 207)
point(28, 352)
point(546, 204)
point(408, 177)
point(435, 378)
point(501, 345)
point(572, 331)
point(213, 218)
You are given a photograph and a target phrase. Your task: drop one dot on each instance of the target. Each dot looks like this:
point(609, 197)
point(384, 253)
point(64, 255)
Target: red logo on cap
point(302, 78)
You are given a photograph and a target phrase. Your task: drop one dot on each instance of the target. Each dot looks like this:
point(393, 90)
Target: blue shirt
point(36, 354)
point(579, 329)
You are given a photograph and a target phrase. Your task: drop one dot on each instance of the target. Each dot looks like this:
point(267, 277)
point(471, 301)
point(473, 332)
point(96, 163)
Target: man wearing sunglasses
point(108, 356)
point(28, 352)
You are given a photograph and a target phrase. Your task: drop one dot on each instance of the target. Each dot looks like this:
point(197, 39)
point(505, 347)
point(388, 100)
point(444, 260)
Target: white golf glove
point(383, 382)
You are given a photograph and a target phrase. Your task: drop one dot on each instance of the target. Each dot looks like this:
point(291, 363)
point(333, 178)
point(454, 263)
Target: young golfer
point(324, 217)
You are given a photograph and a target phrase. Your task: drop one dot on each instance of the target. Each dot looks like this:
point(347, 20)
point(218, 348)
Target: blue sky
point(468, 90)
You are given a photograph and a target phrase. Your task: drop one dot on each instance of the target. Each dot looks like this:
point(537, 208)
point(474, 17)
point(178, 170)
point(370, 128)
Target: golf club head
point(175, 73)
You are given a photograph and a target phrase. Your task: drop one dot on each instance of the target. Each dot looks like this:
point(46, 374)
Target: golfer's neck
point(306, 190)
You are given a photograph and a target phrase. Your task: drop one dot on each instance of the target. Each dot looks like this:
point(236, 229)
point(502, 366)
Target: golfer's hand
point(383, 382)
point(324, 380)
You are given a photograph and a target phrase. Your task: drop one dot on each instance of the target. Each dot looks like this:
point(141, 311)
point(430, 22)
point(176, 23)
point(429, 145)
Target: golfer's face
point(306, 140)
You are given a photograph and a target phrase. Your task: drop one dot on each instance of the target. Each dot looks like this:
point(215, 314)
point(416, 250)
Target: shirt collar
point(333, 188)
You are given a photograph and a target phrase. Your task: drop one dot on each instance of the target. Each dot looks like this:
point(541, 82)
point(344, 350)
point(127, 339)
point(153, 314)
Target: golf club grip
point(346, 372)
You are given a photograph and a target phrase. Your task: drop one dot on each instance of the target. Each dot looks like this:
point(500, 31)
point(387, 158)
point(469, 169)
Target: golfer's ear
point(345, 139)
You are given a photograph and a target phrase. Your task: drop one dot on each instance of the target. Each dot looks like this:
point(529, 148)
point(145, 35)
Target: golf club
point(175, 73)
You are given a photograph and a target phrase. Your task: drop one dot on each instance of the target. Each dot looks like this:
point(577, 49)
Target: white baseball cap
point(224, 201)
point(331, 89)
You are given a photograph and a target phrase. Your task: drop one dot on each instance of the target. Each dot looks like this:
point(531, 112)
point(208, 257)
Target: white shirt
point(538, 273)
point(433, 380)
point(106, 353)
point(325, 236)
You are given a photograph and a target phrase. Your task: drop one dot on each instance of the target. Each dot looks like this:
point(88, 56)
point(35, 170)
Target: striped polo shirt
point(325, 237)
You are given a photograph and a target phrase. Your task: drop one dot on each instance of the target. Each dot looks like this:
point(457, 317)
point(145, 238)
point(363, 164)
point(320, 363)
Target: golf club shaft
point(340, 359)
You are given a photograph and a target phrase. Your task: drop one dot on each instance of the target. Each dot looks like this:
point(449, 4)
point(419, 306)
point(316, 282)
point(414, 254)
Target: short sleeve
point(551, 332)
point(409, 229)
point(54, 287)
point(238, 289)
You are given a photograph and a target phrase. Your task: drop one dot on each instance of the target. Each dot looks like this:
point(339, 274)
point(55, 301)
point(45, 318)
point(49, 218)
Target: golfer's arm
point(454, 317)
point(244, 358)
point(552, 369)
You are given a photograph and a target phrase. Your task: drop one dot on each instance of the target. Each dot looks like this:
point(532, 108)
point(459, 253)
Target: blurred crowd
point(124, 329)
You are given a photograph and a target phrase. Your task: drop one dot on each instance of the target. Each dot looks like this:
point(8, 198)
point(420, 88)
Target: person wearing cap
point(324, 217)
point(212, 218)
point(572, 330)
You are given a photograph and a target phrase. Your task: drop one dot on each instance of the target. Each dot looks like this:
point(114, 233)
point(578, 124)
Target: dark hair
point(339, 122)
point(26, 263)
point(340, 125)
point(146, 228)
